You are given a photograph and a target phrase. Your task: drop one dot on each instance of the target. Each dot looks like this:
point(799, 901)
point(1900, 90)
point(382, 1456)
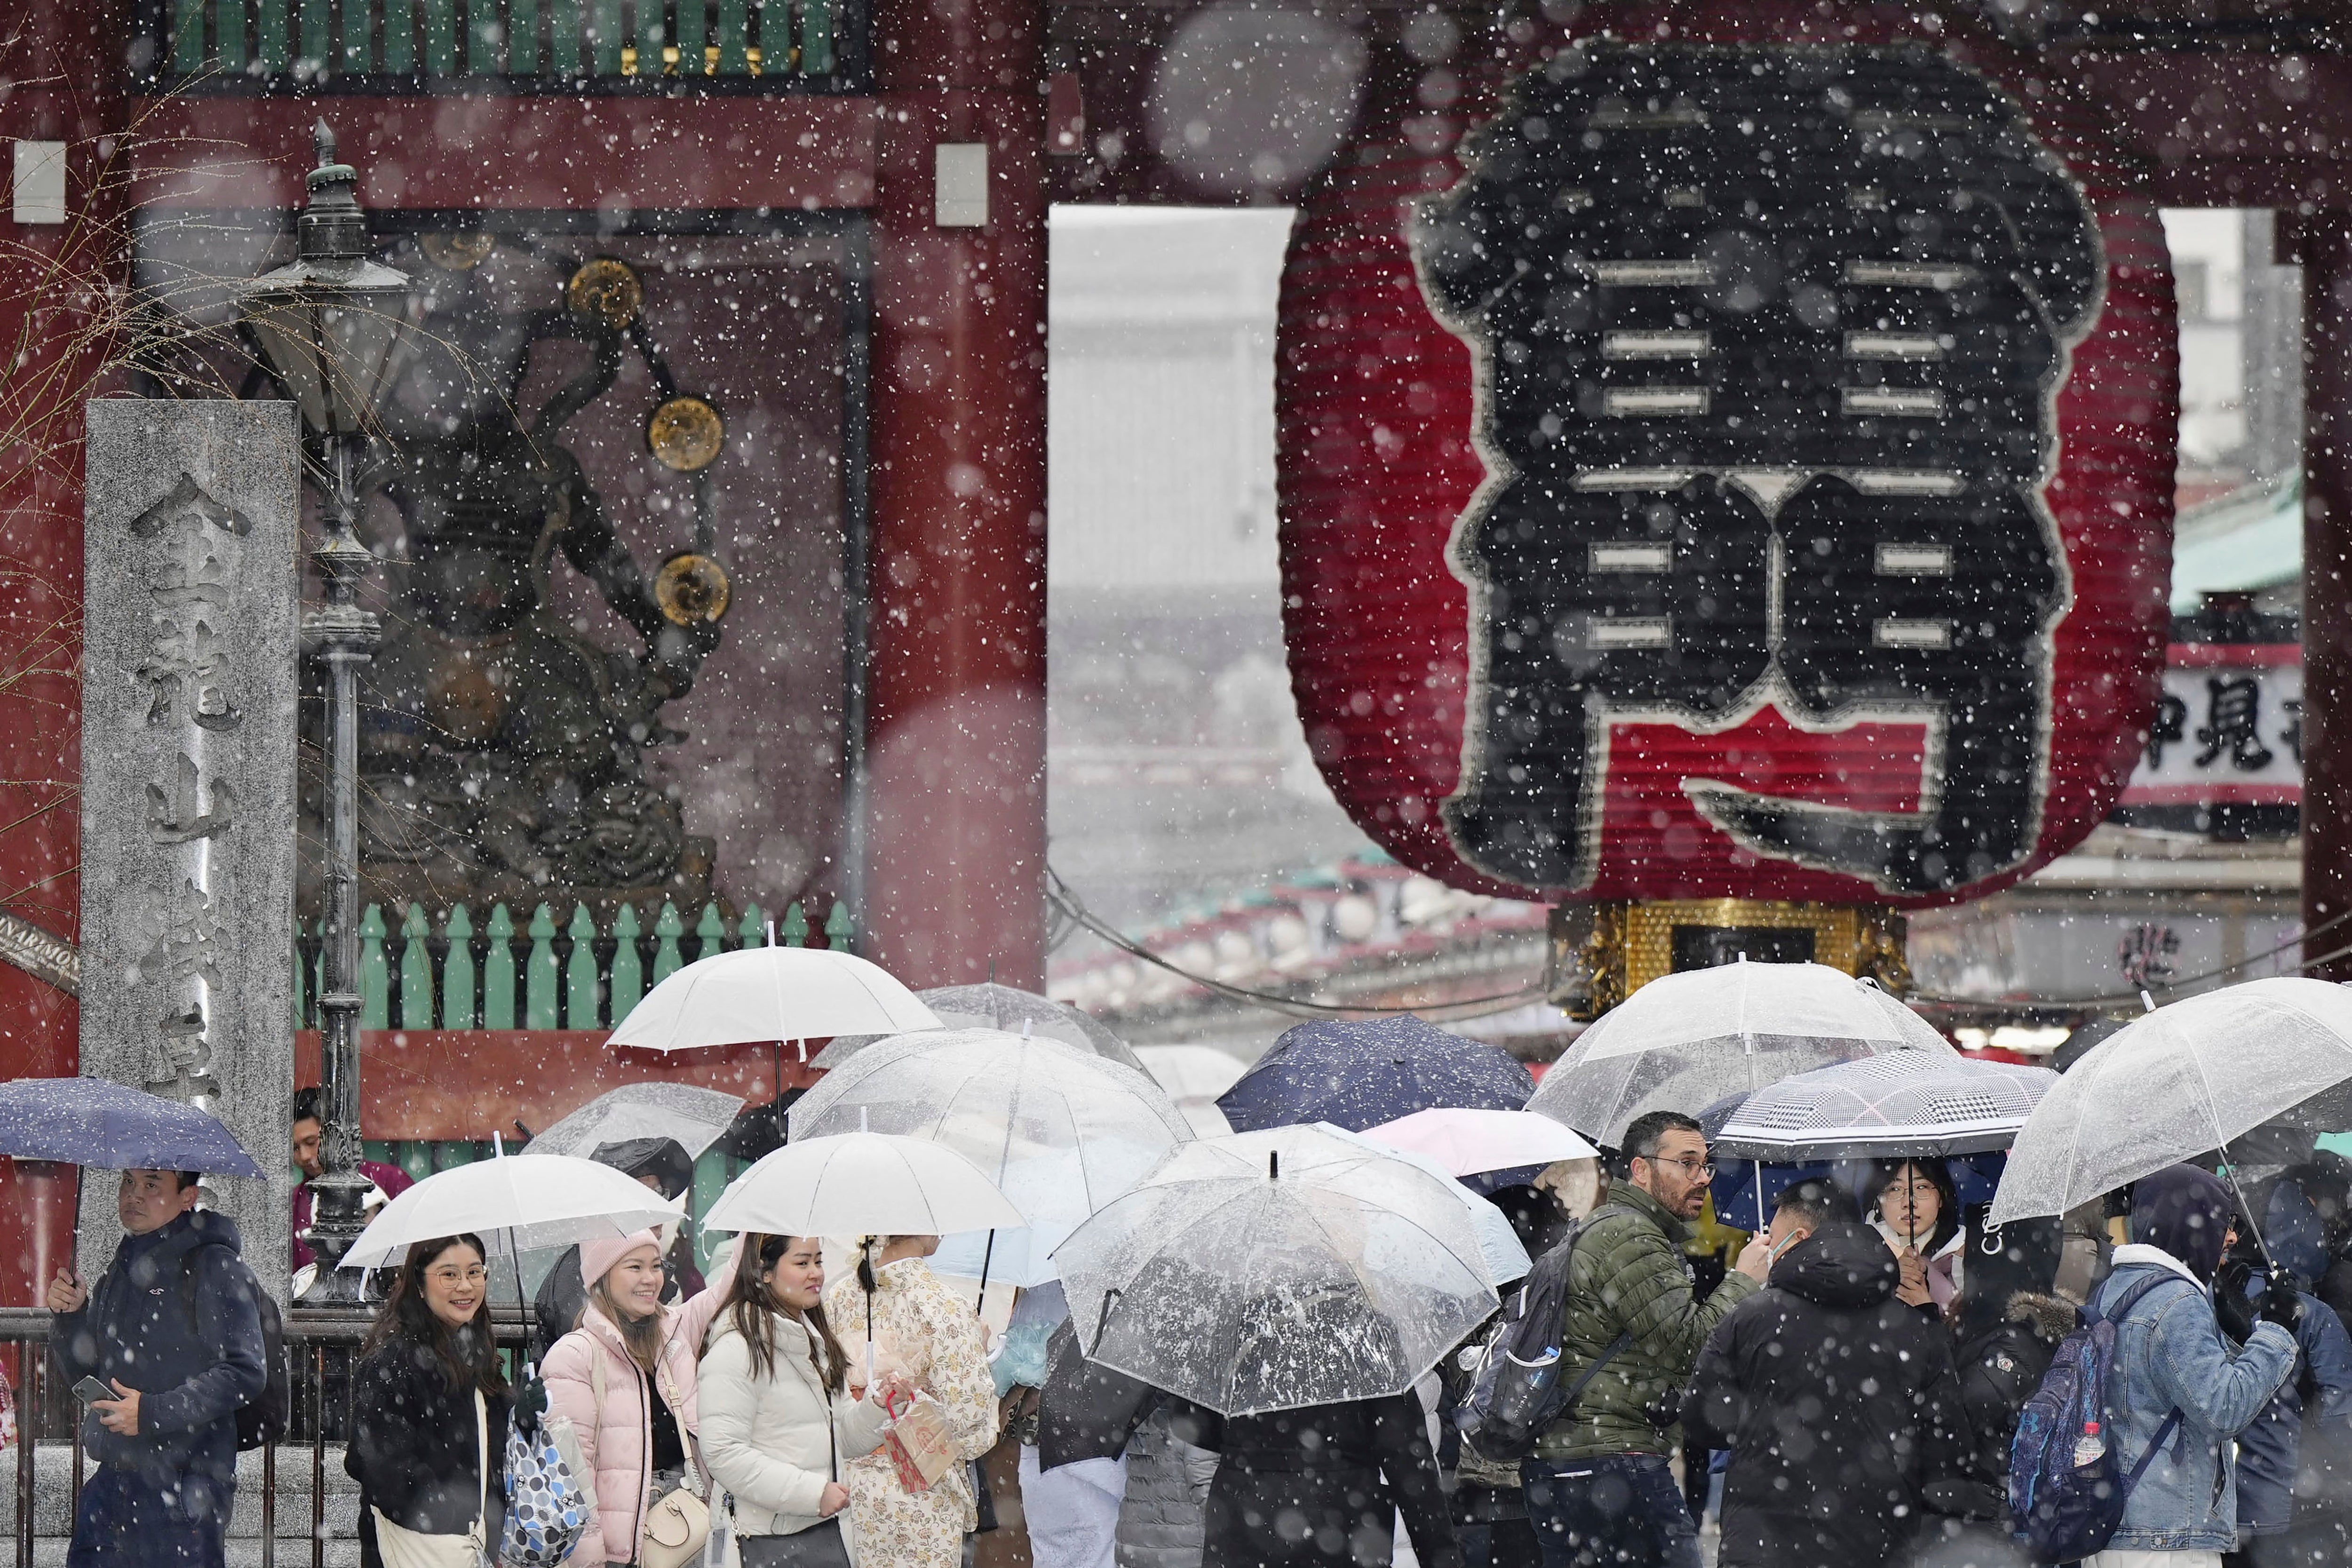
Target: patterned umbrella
point(1901, 1103)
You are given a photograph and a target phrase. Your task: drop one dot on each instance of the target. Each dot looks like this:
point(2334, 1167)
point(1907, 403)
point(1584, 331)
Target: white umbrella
point(1686, 1040)
point(862, 1184)
point(2180, 1082)
point(1275, 1269)
point(758, 994)
point(1469, 1143)
point(1902, 1103)
point(514, 1205)
point(692, 1116)
point(1500, 1252)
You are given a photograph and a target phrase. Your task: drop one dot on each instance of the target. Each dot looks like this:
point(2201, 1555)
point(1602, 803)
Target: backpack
point(1515, 1389)
point(263, 1420)
point(2060, 1509)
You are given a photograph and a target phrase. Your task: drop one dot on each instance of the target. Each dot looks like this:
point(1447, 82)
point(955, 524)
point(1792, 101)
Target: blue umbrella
point(91, 1121)
point(1357, 1073)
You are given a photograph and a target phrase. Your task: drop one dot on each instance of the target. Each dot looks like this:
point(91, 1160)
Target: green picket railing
point(320, 42)
point(430, 974)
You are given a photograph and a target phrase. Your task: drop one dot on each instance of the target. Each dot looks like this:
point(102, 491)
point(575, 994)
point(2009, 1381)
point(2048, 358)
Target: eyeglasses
point(1694, 1167)
point(450, 1278)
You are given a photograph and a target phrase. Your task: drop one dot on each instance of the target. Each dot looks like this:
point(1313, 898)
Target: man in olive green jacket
point(1598, 1487)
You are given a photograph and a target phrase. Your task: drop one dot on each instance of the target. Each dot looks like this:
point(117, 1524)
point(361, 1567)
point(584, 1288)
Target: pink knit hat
point(598, 1255)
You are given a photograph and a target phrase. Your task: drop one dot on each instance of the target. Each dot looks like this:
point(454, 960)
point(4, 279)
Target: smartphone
point(89, 1389)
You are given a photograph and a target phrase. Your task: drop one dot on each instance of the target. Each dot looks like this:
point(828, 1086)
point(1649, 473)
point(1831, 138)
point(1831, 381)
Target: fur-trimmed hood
point(2050, 1317)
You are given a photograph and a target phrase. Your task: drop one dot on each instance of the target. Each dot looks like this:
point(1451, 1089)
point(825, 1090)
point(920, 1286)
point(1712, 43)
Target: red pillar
point(956, 733)
point(2322, 242)
point(63, 64)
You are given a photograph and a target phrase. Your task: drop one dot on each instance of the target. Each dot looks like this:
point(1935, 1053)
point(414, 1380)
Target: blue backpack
point(1515, 1389)
point(2061, 1509)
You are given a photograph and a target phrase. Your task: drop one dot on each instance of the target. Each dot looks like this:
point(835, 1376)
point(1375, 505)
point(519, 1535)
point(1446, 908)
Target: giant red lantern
point(1734, 463)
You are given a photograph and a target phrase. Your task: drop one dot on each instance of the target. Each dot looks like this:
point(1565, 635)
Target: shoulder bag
point(678, 1523)
point(401, 1547)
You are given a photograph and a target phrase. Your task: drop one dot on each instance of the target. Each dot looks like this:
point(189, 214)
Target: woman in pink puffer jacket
point(646, 1348)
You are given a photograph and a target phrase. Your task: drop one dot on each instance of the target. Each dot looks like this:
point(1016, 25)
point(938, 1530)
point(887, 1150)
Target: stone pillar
point(2323, 243)
point(955, 819)
point(193, 570)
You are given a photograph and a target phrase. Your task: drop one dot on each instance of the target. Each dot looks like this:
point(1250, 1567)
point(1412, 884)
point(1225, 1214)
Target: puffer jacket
point(2170, 1355)
point(616, 1441)
point(1628, 1273)
point(2000, 1370)
point(1163, 1520)
point(774, 1442)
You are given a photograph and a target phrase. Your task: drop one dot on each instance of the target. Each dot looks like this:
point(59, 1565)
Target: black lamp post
point(332, 324)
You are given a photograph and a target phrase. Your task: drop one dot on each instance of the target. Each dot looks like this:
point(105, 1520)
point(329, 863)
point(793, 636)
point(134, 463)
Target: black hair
point(1644, 1134)
point(188, 1179)
point(1815, 1202)
point(1939, 1176)
point(750, 1304)
point(308, 1104)
point(470, 1354)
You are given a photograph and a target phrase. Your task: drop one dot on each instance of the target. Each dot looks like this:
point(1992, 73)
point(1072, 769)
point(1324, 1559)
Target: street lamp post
point(331, 324)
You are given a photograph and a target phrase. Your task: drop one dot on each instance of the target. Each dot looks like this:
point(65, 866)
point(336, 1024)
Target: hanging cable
point(1069, 904)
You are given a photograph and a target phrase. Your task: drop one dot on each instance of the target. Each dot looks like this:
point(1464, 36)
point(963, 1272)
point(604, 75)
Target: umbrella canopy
point(1904, 1102)
point(1687, 1040)
point(691, 1117)
point(1275, 1269)
point(1022, 1257)
point(1005, 1007)
point(2183, 1081)
point(93, 1121)
point(1193, 1077)
point(861, 1184)
point(1360, 1072)
point(514, 1205)
point(1501, 1255)
point(1001, 1099)
point(758, 994)
point(1471, 1143)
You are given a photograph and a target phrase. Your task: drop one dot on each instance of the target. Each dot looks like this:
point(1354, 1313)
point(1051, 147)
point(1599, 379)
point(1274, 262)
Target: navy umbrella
point(91, 1121)
point(1360, 1072)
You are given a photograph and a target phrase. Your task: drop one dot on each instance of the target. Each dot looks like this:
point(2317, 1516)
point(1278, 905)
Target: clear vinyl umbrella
point(1005, 1007)
point(2182, 1081)
point(1276, 1269)
point(1001, 1100)
point(1686, 1040)
point(694, 1117)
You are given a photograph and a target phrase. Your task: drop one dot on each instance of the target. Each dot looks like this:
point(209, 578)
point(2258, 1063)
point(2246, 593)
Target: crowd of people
point(1846, 1389)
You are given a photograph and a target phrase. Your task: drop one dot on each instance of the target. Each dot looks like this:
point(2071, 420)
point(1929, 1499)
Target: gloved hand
point(2236, 1285)
point(2283, 1303)
point(530, 1401)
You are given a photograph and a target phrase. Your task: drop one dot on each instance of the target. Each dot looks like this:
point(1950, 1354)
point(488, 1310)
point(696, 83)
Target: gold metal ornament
point(459, 252)
point(606, 291)
point(1601, 954)
point(686, 433)
point(691, 589)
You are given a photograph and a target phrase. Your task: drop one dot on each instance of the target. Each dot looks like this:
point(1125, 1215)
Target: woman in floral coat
point(924, 1333)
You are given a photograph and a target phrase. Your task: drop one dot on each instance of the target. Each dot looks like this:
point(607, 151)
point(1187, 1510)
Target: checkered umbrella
point(1898, 1103)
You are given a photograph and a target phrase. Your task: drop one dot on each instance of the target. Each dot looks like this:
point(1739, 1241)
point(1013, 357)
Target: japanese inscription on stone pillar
point(190, 620)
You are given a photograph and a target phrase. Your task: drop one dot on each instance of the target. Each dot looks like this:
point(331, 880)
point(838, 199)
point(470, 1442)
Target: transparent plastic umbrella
point(861, 1184)
point(696, 1117)
point(1501, 1254)
point(1001, 1099)
point(2180, 1082)
point(1275, 1269)
point(1686, 1040)
point(1005, 1007)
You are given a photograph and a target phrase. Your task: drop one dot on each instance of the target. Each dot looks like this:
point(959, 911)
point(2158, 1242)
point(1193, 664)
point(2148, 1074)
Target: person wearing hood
point(1915, 1207)
point(1838, 1400)
point(173, 1328)
point(2008, 1325)
point(2177, 1392)
point(2293, 1459)
point(661, 1163)
point(637, 1431)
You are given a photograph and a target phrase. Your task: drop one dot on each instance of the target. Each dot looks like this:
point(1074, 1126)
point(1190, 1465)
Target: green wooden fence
point(420, 970)
point(318, 41)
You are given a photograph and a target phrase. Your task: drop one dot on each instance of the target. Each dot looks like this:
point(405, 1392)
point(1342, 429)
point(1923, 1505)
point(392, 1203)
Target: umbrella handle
point(1102, 1318)
point(2230, 1174)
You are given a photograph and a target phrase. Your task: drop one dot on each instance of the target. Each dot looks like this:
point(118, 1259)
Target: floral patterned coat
point(924, 1331)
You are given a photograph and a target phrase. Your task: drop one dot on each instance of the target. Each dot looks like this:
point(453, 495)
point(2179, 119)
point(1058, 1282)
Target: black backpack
point(1514, 1391)
point(263, 1420)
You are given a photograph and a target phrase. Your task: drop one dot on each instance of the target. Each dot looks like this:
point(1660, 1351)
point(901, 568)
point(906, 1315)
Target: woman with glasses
point(429, 1416)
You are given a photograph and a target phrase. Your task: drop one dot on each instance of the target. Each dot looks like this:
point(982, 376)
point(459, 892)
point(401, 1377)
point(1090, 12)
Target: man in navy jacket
point(171, 1327)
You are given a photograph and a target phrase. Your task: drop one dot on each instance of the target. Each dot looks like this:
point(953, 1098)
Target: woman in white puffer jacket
point(777, 1426)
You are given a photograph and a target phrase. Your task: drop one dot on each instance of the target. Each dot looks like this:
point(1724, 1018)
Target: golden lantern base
point(1602, 954)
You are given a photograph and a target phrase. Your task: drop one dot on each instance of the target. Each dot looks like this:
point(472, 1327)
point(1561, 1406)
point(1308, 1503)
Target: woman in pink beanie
point(641, 1443)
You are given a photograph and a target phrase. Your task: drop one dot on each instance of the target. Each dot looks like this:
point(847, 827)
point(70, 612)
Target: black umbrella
point(1085, 1410)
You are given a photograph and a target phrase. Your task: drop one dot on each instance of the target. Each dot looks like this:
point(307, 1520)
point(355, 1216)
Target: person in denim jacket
point(2170, 1355)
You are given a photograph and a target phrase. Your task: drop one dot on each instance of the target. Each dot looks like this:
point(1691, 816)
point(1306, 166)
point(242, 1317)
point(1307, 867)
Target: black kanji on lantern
point(1768, 339)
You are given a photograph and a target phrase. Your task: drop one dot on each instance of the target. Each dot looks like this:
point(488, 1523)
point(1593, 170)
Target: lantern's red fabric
point(1374, 409)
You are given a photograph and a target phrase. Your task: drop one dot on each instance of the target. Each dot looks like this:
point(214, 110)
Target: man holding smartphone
point(173, 1334)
